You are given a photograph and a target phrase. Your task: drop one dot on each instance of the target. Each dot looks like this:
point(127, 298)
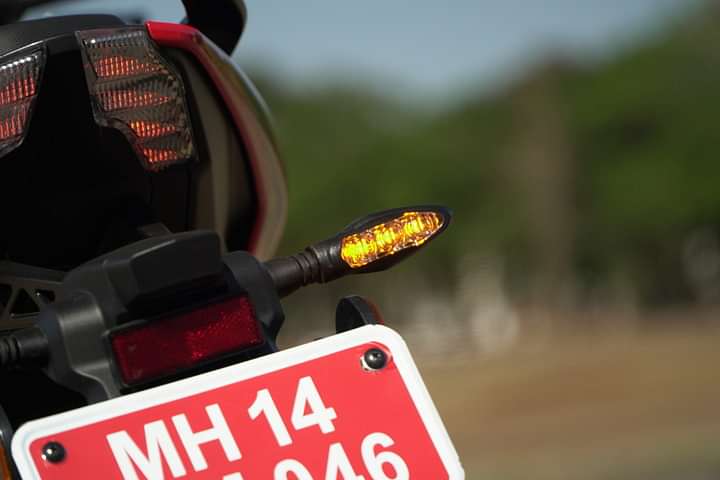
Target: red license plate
point(314, 412)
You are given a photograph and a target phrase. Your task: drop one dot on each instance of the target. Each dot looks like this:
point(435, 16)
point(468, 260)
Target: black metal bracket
point(24, 290)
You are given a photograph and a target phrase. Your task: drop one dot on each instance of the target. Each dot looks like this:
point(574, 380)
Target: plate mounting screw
point(53, 452)
point(374, 359)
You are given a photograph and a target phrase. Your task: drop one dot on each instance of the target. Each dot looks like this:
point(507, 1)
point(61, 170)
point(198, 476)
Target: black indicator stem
point(319, 263)
point(23, 347)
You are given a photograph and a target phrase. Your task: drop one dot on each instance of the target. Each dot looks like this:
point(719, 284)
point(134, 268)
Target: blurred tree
point(581, 180)
point(541, 168)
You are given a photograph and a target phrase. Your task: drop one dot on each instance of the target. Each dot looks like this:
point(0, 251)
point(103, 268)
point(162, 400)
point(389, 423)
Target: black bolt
point(53, 452)
point(375, 359)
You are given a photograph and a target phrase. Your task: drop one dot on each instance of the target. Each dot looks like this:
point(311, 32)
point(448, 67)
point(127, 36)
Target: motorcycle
point(144, 195)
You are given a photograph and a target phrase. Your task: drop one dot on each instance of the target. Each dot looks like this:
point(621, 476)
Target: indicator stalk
point(371, 244)
point(25, 347)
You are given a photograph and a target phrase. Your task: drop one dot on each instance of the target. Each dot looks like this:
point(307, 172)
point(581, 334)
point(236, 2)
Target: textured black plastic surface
point(252, 275)
point(139, 283)
point(20, 34)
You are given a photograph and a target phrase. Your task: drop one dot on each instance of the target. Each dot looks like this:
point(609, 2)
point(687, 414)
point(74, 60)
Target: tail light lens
point(19, 78)
point(172, 344)
point(135, 90)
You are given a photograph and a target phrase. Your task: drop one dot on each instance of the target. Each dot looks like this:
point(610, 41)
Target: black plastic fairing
point(82, 186)
point(19, 34)
point(72, 189)
point(255, 279)
point(222, 193)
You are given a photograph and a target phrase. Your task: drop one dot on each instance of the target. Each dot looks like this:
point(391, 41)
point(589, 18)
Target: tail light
point(19, 78)
point(134, 90)
point(170, 345)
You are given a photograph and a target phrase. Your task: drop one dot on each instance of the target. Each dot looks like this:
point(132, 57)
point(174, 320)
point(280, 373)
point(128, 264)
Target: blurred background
point(566, 323)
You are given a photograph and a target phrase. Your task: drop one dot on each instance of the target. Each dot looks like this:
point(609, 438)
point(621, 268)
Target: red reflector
point(170, 345)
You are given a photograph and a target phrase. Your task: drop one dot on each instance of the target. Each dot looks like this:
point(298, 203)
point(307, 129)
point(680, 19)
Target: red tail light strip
point(160, 155)
point(17, 90)
point(145, 129)
point(13, 123)
point(243, 105)
point(119, 66)
point(112, 100)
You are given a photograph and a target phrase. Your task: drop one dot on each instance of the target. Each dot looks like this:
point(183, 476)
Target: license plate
point(319, 411)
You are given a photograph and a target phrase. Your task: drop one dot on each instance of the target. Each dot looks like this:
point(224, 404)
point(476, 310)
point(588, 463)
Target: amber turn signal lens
point(4, 463)
point(412, 229)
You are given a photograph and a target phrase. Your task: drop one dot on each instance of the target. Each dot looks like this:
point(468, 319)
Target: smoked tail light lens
point(170, 345)
point(19, 78)
point(136, 91)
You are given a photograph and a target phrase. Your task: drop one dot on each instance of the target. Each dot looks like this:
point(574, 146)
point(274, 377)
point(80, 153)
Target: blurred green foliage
point(571, 174)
